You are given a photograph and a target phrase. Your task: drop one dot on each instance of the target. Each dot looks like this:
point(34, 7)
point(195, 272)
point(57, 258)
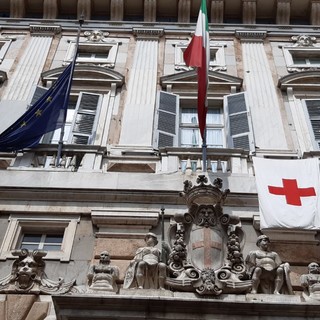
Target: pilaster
point(17, 8)
point(283, 11)
point(150, 10)
point(137, 122)
point(84, 9)
point(116, 10)
point(249, 11)
point(184, 11)
point(217, 10)
point(50, 9)
point(315, 12)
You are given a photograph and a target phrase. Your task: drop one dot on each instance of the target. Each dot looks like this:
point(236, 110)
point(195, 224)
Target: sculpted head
point(263, 241)
point(105, 257)
point(313, 267)
point(151, 239)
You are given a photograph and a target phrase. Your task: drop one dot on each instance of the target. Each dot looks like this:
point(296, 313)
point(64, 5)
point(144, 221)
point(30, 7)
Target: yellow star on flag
point(38, 113)
point(49, 99)
point(23, 124)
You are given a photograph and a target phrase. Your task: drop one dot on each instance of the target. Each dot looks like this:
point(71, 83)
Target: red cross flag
point(288, 192)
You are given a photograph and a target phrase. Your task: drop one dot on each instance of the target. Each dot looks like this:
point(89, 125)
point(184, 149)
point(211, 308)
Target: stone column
point(249, 11)
point(217, 10)
point(315, 12)
point(283, 12)
point(184, 11)
point(84, 9)
point(50, 9)
point(150, 10)
point(137, 123)
point(17, 8)
point(261, 91)
point(116, 10)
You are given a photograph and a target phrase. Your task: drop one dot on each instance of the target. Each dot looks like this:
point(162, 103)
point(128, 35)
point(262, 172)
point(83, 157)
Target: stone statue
point(103, 276)
point(146, 271)
point(28, 276)
point(269, 275)
point(311, 281)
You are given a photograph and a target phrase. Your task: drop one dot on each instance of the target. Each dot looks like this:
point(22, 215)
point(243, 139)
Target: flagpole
point(204, 151)
point(66, 99)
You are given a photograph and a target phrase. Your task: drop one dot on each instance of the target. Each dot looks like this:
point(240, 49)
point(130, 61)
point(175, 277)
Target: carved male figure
point(311, 281)
point(146, 271)
point(103, 276)
point(268, 273)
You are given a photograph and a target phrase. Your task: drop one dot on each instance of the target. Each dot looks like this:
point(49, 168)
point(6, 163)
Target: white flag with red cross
point(288, 192)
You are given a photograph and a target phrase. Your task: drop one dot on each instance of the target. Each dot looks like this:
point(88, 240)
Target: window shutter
point(167, 120)
point(238, 122)
point(86, 117)
point(313, 108)
point(38, 93)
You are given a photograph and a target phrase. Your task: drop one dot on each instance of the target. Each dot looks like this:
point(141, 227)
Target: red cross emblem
point(291, 191)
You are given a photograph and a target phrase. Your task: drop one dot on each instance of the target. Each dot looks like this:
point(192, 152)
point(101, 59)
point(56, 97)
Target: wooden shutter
point(167, 120)
point(313, 108)
point(38, 93)
point(86, 117)
point(238, 122)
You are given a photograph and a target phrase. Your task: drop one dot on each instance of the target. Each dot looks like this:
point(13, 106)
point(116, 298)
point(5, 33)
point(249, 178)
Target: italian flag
point(197, 55)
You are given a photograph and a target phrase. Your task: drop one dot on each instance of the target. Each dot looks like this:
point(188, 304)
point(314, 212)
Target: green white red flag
point(197, 55)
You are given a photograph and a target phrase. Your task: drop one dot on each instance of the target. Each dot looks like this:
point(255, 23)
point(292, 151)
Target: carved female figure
point(146, 271)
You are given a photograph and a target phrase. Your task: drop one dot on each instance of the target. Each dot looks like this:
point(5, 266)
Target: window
point(302, 58)
point(189, 131)
point(313, 111)
point(4, 46)
point(217, 57)
point(47, 242)
point(54, 235)
point(103, 54)
point(81, 121)
point(228, 125)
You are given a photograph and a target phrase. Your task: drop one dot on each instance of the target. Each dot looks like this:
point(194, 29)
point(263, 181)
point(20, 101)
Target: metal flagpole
point(204, 150)
point(66, 99)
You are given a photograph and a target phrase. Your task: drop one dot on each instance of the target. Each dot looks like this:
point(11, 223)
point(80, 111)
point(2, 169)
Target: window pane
point(31, 238)
point(189, 115)
point(53, 238)
point(214, 138)
point(30, 247)
point(189, 137)
point(214, 116)
point(51, 247)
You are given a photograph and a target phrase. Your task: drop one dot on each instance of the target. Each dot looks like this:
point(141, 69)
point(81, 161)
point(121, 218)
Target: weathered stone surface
point(2, 306)
point(38, 311)
point(18, 306)
point(124, 248)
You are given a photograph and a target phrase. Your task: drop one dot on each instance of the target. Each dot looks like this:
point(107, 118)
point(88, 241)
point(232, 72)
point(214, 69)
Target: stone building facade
point(131, 142)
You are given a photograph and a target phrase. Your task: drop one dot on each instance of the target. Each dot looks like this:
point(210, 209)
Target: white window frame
point(219, 63)
point(19, 225)
point(195, 126)
point(290, 52)
point(4, 48)
point(110, 47)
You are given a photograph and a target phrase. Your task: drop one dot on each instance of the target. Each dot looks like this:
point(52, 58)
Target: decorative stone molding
point(84, 9)
point(150, 10)
point(41, 29)
point(184, 11)
point(217, 11)
point(304, 40)
point(50, 9)
point(315, 12)
point(95, 35)
point(249, 35)
point(249, 11)
point(146, 33)
point(116, 10)
point(283, 12)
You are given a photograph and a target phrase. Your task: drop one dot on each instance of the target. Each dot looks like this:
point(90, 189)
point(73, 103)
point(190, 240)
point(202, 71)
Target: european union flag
point(46, 115)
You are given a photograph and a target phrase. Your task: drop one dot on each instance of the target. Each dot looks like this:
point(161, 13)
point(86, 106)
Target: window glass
point(47, 242)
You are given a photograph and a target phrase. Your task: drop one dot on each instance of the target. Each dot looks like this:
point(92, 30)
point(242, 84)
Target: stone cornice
point(43, 29)
point(251, 35)
point(148, 33)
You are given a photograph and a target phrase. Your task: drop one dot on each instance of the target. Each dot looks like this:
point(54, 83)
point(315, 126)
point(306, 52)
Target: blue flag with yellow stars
point(47, 114)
